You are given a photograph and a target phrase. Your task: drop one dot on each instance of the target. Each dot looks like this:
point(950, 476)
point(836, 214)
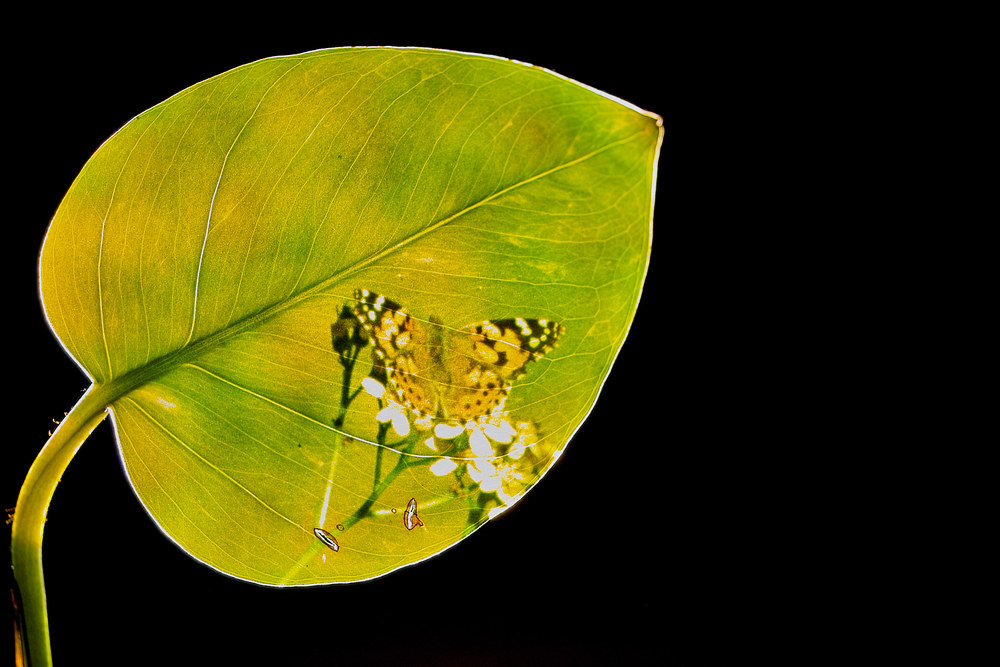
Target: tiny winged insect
point(445, 374)
point(410, 518)
point(326, 538)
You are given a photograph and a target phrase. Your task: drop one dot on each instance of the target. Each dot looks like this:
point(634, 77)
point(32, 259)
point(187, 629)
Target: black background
point(612, 558)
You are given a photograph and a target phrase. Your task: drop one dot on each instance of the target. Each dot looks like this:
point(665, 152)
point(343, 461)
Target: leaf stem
point(377, 491)
point(29, 517)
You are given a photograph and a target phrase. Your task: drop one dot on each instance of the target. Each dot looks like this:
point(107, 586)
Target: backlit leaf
point(205, 269)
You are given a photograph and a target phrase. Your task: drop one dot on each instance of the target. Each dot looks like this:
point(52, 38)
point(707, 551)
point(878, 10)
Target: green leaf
point(203, 267)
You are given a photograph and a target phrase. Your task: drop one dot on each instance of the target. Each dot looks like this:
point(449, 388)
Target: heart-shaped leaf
point(218, 268)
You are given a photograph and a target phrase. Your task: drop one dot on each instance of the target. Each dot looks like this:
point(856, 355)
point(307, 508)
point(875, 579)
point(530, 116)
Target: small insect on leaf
point(410, 518)
point(327, 539)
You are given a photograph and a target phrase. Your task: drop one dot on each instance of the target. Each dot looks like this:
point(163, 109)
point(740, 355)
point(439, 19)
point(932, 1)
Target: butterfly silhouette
point(445, 373)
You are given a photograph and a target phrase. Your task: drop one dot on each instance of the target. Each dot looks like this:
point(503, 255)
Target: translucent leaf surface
point(205, 268)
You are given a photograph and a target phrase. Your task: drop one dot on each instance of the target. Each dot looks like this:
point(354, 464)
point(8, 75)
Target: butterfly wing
point(401, 350)
point(508, 345)
point(488, 357)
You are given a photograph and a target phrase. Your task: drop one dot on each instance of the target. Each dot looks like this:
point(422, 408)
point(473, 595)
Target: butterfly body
point(450, 374)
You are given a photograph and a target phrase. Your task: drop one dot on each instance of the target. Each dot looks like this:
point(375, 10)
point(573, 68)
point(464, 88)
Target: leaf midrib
point(120, 386)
